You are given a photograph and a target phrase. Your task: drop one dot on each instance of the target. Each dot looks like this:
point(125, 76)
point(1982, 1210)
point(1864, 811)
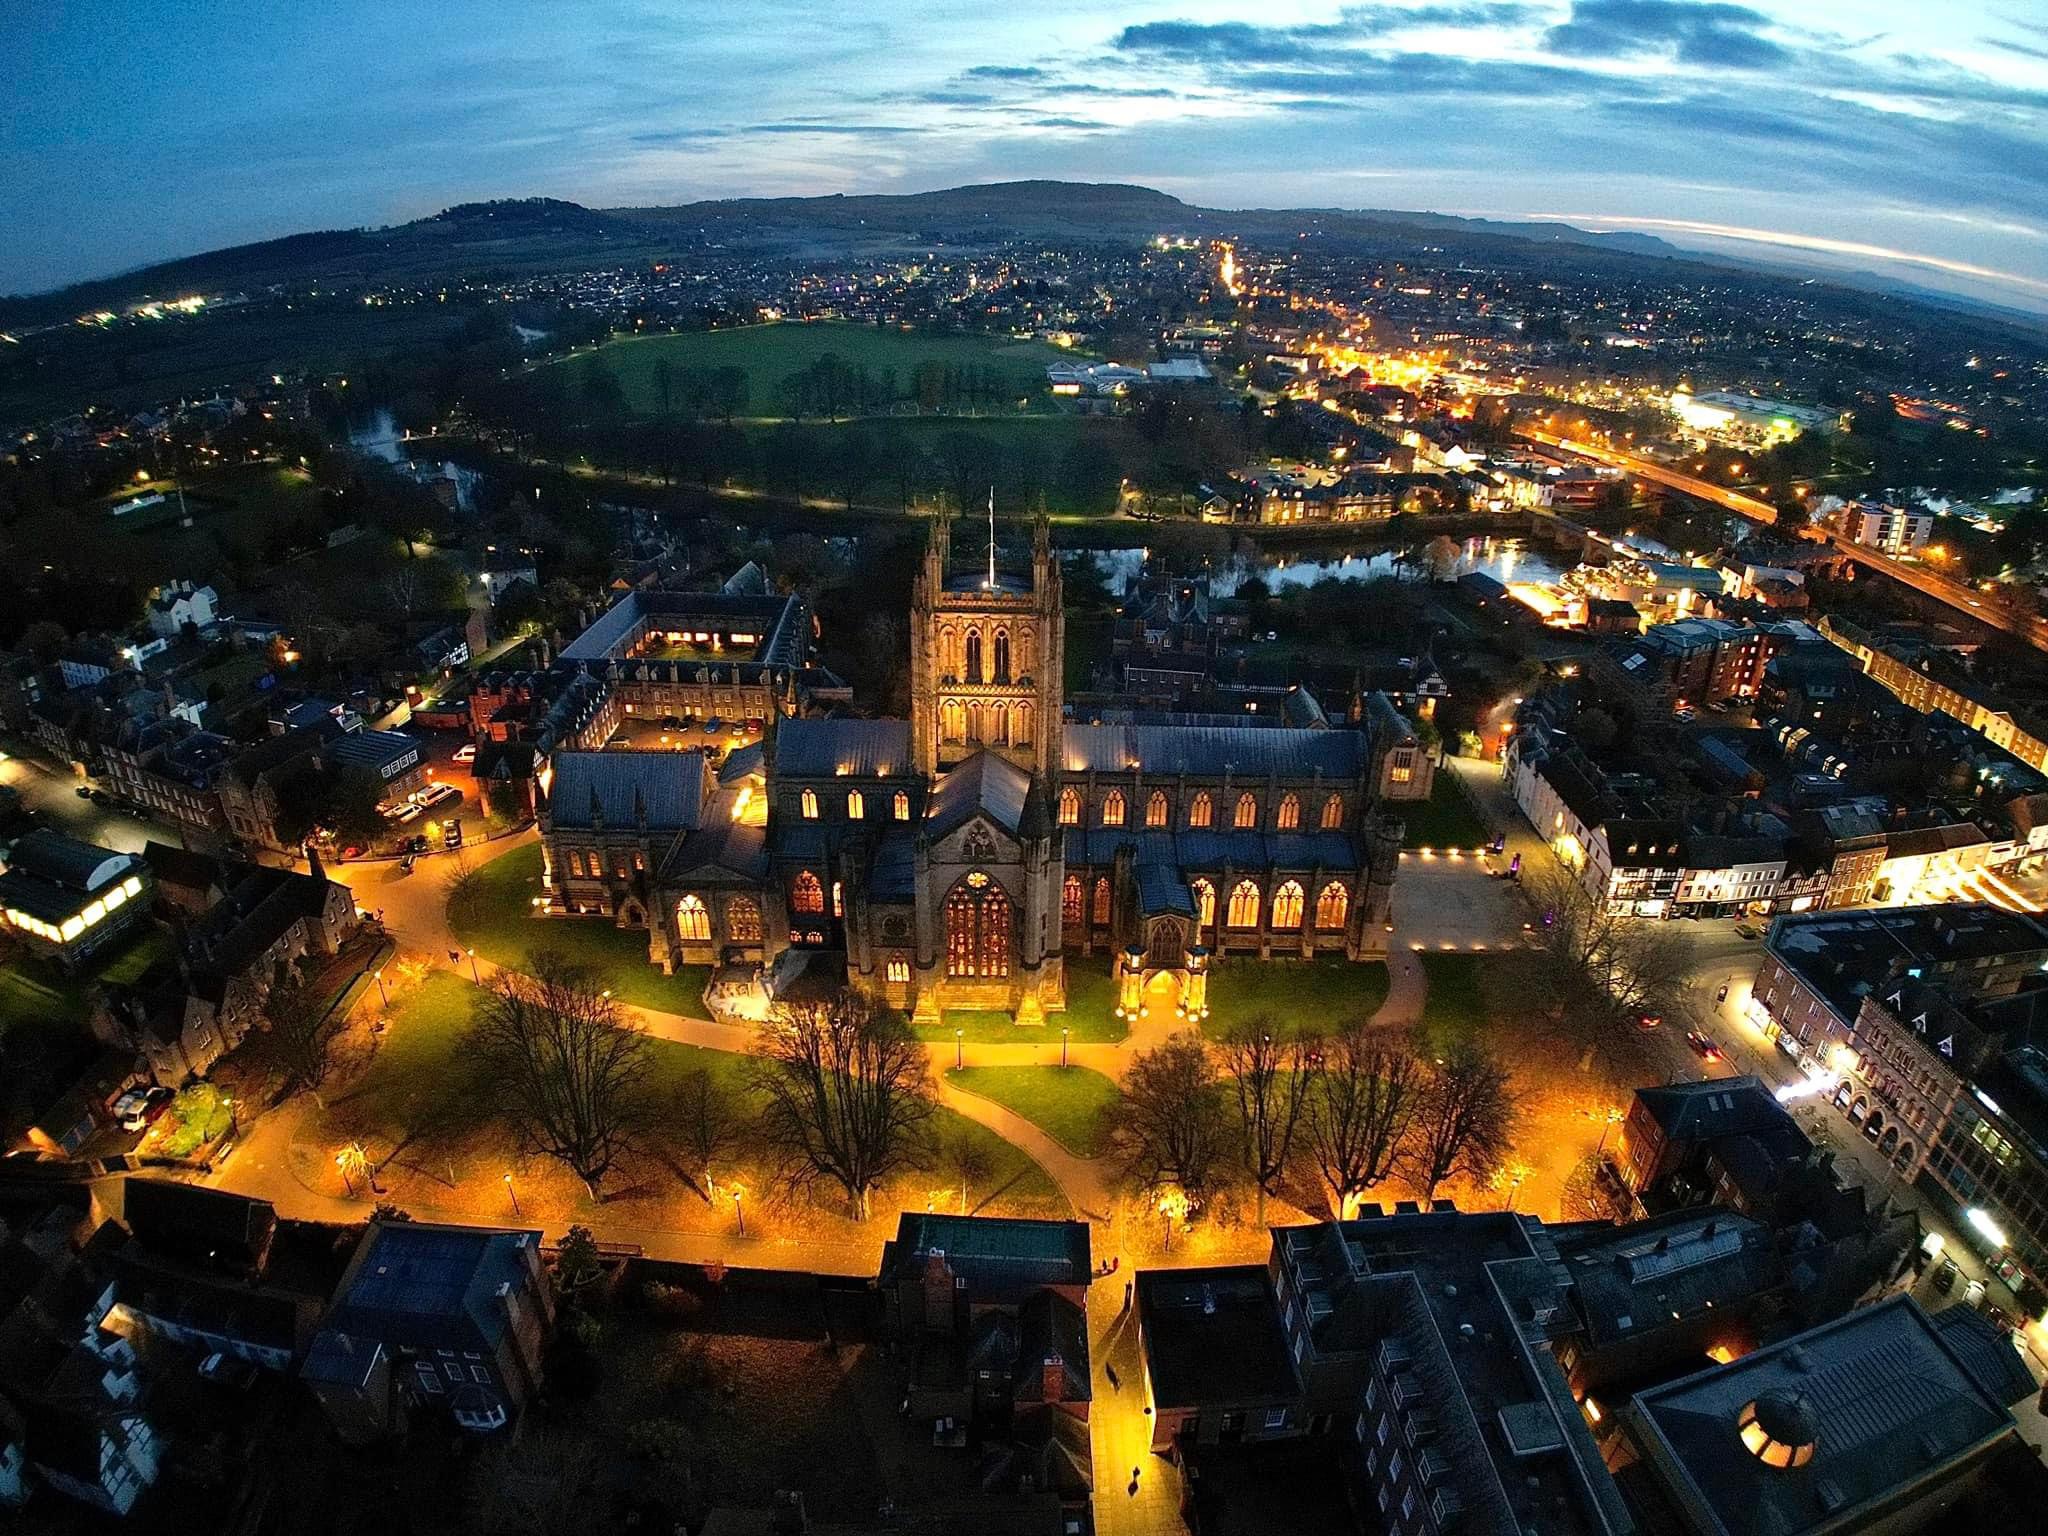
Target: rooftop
point(1213, 1337)
point(1862, 1407)
point(998, 1256)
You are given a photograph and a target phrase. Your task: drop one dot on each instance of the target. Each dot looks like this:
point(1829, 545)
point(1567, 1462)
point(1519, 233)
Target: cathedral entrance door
point(1162, 994)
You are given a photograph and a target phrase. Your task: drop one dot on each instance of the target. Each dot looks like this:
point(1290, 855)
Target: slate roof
point(892, 876)
point(55, 859)
point(722, 846)
point(1162, 889)
point(1631, 1280)
point(1049, 1324)
point(822, 749)
point(206, 1226)
point(1001, 1258)
point(1214, 1337)
point(1892, 1404)
point(432, 1286)
point(985, 785)
point(1254, 753)
point(668, 785)
point(1986, 1353)
point(1726, 1106)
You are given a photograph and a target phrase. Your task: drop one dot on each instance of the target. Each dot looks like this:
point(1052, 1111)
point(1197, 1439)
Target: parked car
point(407, 813)
point(451, 835)
point(84, 791)
point(466, 753)
point(1945, 1277)
point(438, 795)
point(1702, 1045)
point(1649, 1020)
point(1747, 931)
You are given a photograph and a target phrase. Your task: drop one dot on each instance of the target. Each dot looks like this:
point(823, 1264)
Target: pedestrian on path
point(1114, 1384)
point(1127, 1295)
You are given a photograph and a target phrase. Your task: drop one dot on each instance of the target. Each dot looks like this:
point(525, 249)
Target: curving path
point(415, 914)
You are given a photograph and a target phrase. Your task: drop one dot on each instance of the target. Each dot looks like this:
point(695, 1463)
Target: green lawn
point(499, 924)
point(1296, 995)
point(1457, 1003)
point(1070, 1104)
point(35, 992)
point(1445, 820)
point(770, 353)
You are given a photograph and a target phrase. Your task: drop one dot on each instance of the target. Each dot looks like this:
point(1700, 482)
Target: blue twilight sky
point(1909, 136)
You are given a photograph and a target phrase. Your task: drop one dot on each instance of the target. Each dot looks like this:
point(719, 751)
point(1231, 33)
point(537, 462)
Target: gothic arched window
point(973, 656)
point(743, 920)
point(1201, 810)
point(953, 720)
point(1113, 808)
point(810, 805)
point(999, 724)
point(1002, 655)
point(1333, 813)
point(1070, 901)
point(1070, 808)
point(1205, 903)
point(693, 921)
point(902, 806)
point(1287, 905)
point(1244, 905)
point(1333, 904)
point(1289, 815)
point(977, 929)
point(1247, 811)
point(806, 894)
point(856, 805)
point(1155, 809)
point(1102, 901)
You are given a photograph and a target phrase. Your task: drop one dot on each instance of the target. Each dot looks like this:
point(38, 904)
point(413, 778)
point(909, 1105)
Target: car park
point(437, 795)
point(408, 812)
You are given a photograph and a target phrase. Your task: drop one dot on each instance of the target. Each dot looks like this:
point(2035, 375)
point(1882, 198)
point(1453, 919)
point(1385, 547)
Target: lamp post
point(739, 1206)
point(1514, 1185)
point(234, 1120)
point(515, 1198)
point(1064, 1032)
point(341, 1162)
point(473, 976)
point(959, 1048)
point(1611, 1118)
point(381, 992)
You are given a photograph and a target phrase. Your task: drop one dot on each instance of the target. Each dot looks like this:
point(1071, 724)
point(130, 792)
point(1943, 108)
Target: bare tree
point(300, 1031)
point(1594, 963)
point(1361, 1105)
point(1269, 1079)
point(1464, 1120)
point(1588, 1195)
point(462, 885)
point(1170, 1126)
point(708, 1125)
point(847, 1093)
point(965, 1160)
point(572, 1066)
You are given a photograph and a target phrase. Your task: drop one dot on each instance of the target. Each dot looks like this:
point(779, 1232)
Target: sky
point(1908, 137)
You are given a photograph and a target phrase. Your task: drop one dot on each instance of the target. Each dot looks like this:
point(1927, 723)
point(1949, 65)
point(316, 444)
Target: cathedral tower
point(987, 648)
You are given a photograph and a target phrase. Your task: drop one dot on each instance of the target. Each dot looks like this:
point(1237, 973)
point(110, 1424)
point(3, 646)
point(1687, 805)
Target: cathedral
point(968, 857)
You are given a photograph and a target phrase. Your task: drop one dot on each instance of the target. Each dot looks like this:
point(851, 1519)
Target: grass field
point(499, 924)
point(1070, 1104)
point(1445, 820)
point(770, 353)
point(1090, 1015)
point(1457, 1003)
point(1296, 995)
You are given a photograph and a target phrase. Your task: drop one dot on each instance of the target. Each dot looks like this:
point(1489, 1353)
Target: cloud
point(1006, 72)
point(1701, 32)
point(1240, 42)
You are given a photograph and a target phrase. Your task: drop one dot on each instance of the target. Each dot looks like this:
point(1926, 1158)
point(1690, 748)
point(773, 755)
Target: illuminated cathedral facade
point(968, 857)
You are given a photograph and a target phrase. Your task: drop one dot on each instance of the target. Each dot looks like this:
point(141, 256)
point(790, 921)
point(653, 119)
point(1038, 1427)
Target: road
point(1930, 583)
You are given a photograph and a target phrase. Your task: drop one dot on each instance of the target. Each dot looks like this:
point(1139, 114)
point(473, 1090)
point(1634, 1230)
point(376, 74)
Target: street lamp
point(959, 1048)
point(381, 992)
point(234, 1120)
point(341, 1162)
point(1064, 1032)
point(473, 976)
point(515, 1198)
point(1174, 1206)
point(739, 1206)
point(1610, 1119)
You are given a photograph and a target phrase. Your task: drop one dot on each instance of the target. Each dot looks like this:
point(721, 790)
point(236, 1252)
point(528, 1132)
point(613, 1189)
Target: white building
point(178, 603)
point(1885, 528)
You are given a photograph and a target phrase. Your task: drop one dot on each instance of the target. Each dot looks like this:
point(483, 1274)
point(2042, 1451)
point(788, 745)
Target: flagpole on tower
point(991, 538)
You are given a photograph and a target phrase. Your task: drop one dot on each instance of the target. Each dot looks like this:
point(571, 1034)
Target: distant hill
point(528, 235)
